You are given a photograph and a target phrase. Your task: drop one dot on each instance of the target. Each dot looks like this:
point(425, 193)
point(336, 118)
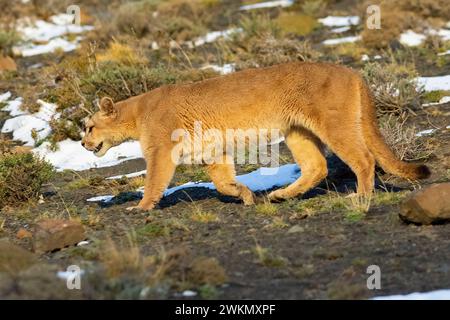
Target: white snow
point(333, 42)
point(336, 21)
point(424, 132)
point(213, 36)
point(443, 100)
point(106, 198)
point(340, 29)
point(43, 37)
point(24, 124)
point(434, 83)
point(432, 295)
point(53, 45)
point(129, 175)
point(411, 38)
point(443, 33)
point(258, 180)
point(267, 4)
point(444, 53)
point(13, 107)
point(225, 69)
point(43, 31)
point(82, 243)
point(189, 293)
point(71, 155)
point(5, 96)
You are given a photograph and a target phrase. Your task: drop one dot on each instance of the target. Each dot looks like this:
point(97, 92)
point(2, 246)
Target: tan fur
point(311, 103)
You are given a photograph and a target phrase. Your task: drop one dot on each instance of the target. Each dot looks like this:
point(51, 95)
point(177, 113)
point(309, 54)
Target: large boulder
point(52, 234)
point(427, 206)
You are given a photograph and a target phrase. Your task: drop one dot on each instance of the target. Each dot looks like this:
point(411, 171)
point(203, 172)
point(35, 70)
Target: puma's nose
point(82, 143)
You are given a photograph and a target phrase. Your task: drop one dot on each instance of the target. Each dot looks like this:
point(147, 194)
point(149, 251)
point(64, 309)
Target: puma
point(312, 104)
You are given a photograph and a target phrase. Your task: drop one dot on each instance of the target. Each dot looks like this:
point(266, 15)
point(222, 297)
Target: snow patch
point(43, 31)
point(106, 198)
point(225, 69)
point(23, 125)
point(129, 175)
point(411, 38)
point(340, 29)
point(5, 96)
point(44, 37)
point(333, 42)
point(268, 4)
point(336, 21)
point(443, 100)
point(424, 132)
point(258, 180)
point(432, 295)
point(213, 36)
point(444, 53)
point(434, 83)
point(71, 155)
point(53, 45)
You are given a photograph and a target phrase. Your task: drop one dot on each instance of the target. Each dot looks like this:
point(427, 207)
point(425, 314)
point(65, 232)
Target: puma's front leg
point(160, 170)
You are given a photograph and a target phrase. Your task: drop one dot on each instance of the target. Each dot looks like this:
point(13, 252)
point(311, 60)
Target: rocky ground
point(198, 244)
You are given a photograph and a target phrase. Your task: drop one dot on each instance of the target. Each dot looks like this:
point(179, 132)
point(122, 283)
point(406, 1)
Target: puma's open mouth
point(98, 148)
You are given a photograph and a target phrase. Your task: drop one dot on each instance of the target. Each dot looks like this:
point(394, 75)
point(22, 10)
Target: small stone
point(23, 233)
point(52, 234)
point(7, 64)
point(14, 258)
point(296, 229)
point(189, 293)
point(427, 206)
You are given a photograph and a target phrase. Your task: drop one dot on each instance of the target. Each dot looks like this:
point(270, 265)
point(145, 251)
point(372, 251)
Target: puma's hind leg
point(349, 145)
point(306, 149)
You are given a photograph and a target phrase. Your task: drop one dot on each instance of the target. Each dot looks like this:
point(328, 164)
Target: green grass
point(267, 209)
point(152, 230)
point(267, 258)
point(435, 96)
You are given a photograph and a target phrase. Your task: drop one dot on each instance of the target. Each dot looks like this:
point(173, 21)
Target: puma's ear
point(107, 106)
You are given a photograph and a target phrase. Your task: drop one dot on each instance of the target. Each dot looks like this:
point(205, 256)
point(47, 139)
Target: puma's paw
point(139, 208)
point(248, 198)
point(277, 195)
point(133, 209)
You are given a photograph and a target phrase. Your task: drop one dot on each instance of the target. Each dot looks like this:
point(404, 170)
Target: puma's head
point(105, 129)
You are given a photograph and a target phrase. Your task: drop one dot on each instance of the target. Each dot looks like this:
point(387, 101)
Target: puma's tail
point(376, 144)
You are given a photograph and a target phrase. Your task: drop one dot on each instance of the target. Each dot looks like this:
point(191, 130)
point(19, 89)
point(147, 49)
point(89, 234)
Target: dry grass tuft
point(403, 140)
point(394, 87)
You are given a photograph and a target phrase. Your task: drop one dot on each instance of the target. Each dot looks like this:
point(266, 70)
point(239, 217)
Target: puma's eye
point(89, 129)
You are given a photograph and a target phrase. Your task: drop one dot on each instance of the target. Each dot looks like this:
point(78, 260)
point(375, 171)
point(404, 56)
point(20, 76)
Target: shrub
point(403, 140)
point(394, 86)
point(270, 51)
point(7, 40)
point(21, 177)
